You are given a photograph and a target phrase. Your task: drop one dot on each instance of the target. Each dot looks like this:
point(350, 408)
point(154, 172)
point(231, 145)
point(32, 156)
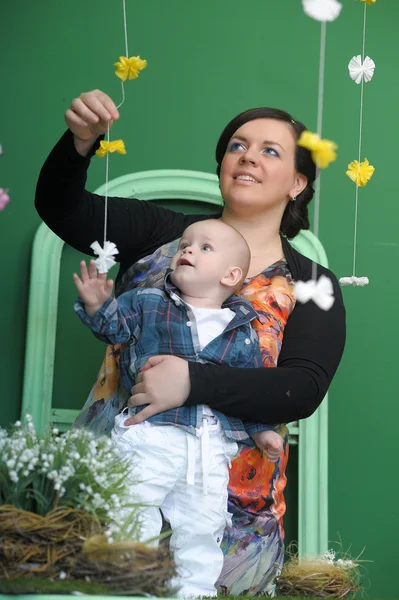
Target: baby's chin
point(184, 283)
point(177, 278)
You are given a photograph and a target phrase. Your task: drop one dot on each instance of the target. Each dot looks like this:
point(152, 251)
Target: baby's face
point(202, 259)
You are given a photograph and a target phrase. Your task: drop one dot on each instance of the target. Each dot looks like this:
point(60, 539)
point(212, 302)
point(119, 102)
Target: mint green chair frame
point(311, 434)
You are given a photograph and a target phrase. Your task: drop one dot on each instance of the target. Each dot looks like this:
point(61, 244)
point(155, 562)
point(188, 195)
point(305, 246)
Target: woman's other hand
point(88, 117)
point(162, 384)
point(270, 442)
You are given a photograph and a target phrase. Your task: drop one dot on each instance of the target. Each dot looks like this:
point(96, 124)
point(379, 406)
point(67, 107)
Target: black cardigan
point(313, 340)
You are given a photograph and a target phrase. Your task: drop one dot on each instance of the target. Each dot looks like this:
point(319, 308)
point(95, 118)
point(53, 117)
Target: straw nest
point(128, 567)
point(70, 545)
point(30, 543)
point(317, 577)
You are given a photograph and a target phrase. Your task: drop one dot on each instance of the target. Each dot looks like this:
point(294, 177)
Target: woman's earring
point(293, 199)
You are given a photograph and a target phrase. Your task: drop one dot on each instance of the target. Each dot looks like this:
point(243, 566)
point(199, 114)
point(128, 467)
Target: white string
point(360, 142)
point(119, 105)
point(123, 94)
point(320, 102)
point(126, 46)
point(125, 27)
point(106, 191)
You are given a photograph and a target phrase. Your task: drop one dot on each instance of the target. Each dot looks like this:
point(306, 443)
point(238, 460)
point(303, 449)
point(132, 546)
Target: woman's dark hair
point(295, 216)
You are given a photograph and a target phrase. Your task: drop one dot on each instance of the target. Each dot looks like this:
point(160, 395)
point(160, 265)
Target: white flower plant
point(330, 557)
point(75, 470)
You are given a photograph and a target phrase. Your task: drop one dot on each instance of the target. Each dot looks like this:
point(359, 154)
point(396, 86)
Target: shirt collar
point(243, 308)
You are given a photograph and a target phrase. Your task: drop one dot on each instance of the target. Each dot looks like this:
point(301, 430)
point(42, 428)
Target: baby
point(180, 458)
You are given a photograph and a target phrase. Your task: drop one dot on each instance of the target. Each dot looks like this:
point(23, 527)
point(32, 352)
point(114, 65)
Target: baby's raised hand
point(270, 442)
point(93, 287)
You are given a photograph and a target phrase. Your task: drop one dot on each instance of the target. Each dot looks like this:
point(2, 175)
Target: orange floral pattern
point(253, 545)
point(254, 482)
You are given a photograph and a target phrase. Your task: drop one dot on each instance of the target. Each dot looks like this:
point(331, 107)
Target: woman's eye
point(207, 248)
point(234, 146)
point(271, 152)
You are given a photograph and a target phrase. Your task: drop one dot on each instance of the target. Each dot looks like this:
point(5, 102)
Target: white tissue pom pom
point(361, 71)
point(355, 281)
point(322, 10)
point(105, 255)
point(320, 291)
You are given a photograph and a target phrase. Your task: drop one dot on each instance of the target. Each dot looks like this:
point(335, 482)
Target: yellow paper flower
point(105, 147)
point(323, 151)
point(129, 68)
point(369, 1)
point(360, 173)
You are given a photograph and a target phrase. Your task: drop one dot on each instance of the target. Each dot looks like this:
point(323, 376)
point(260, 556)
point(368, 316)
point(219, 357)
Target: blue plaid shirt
point(157, 321)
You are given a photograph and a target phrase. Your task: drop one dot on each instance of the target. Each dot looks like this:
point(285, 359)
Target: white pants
point(185, 476)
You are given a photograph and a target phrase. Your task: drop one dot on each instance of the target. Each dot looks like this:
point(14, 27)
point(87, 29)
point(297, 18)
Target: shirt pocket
point(245, 351)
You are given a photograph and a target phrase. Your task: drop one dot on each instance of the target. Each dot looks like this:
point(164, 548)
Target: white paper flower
point(322, 10)
point(361, 71)
point(320, 291)
point(355, 281)
point(105, 255)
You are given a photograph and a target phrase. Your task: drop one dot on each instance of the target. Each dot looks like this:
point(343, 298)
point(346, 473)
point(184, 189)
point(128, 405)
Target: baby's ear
point(232, 277)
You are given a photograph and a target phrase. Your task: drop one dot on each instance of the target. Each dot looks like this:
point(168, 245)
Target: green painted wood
point(42, 320)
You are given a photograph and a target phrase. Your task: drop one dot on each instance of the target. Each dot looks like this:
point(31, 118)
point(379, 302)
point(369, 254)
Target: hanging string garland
point(361, 70)
point(126, 69)
point(323, 153)
point(4, 197)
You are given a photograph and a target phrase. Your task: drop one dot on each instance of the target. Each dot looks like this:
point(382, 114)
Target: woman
point(266, 181)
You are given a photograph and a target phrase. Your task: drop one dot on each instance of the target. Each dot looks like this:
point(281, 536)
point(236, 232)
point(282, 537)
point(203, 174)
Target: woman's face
point(258, 169)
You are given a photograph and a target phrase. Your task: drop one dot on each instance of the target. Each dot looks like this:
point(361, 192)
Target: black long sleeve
point(313, 339)
point(312, 347)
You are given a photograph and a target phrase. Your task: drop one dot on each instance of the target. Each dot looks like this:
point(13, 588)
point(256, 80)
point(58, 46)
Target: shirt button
point(247, 341)
point(188, 323)
point(177, 302)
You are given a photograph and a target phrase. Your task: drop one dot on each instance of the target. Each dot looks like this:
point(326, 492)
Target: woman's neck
point(262, 232)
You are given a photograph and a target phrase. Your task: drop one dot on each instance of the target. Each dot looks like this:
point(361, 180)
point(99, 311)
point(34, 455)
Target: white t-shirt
point(211, 322)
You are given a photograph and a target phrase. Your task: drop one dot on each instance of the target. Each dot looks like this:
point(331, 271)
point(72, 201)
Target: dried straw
point(30, 543)
point(312, 577)
point(71, 542)
point(128, 567)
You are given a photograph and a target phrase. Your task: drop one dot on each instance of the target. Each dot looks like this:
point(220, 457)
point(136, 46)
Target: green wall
point(207, 61)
